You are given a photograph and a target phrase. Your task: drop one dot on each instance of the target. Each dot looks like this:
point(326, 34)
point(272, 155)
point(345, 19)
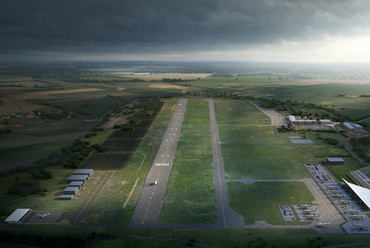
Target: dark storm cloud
point(118, 26)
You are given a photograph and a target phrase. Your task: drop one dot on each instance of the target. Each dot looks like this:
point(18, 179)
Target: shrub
point(25, 188)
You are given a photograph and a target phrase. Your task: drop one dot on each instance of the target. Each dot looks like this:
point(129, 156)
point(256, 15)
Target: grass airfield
point(249, 149)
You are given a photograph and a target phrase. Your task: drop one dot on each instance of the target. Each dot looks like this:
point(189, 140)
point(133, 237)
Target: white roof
point(291, 118)
point(325, 120)
point(361, 192)
point(349, 126)
point(17, 215)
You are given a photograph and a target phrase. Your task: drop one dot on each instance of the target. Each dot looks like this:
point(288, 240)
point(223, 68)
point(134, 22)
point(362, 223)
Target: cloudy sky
point(251, 30)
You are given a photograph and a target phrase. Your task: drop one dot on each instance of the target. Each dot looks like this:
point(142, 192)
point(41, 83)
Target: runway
point(227, 217)
point(149, 206)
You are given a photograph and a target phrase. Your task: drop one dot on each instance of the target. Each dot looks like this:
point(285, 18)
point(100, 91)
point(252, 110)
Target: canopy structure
point(361, 192)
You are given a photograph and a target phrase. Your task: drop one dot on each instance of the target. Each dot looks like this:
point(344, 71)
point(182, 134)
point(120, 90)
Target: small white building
point(325, 121)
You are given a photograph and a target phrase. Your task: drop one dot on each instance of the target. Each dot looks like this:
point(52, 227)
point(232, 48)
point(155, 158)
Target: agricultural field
point(344, 96)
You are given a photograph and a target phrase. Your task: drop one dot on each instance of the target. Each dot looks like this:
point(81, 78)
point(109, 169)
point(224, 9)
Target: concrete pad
point(44, 217)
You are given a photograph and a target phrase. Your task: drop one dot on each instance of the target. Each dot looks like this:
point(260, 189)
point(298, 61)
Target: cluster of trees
point(94, 132)
point(147, 107)
point(75, 154)
point(362, 147)
point(25, 188)
point(329, 141)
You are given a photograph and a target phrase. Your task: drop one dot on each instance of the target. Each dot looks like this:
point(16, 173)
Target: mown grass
point(322, 149)
point(190, 195)
point(239, 113)
point(258, 201)
point(255, 152)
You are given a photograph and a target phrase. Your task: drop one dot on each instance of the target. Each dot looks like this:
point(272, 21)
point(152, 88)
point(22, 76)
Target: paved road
point(149, 206)
point(227, 217)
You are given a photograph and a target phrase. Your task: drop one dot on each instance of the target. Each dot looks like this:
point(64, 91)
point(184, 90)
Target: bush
point(331, 141)
point(127, 127)
point(25, 188)
point(39, 173)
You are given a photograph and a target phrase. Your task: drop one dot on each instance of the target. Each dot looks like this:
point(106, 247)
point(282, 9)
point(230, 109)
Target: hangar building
point(335, 161)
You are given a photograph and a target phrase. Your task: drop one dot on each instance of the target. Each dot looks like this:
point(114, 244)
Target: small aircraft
point(308, 210)
point(322, 224)
point(305, 206)
point(351, 211)
point(312, 217)
point(332, 187)
point(359, 226)
point(43, 216)
point(345, 202)
point(338, 195)
point(334, 191)
point(356, 216)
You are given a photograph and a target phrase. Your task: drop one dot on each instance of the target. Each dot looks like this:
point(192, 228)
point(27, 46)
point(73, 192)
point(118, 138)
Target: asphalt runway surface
point(149, 206)
point(227, 217)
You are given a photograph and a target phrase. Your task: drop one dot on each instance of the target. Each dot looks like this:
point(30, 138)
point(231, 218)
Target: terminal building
point(359, 194)
point(294, 121)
